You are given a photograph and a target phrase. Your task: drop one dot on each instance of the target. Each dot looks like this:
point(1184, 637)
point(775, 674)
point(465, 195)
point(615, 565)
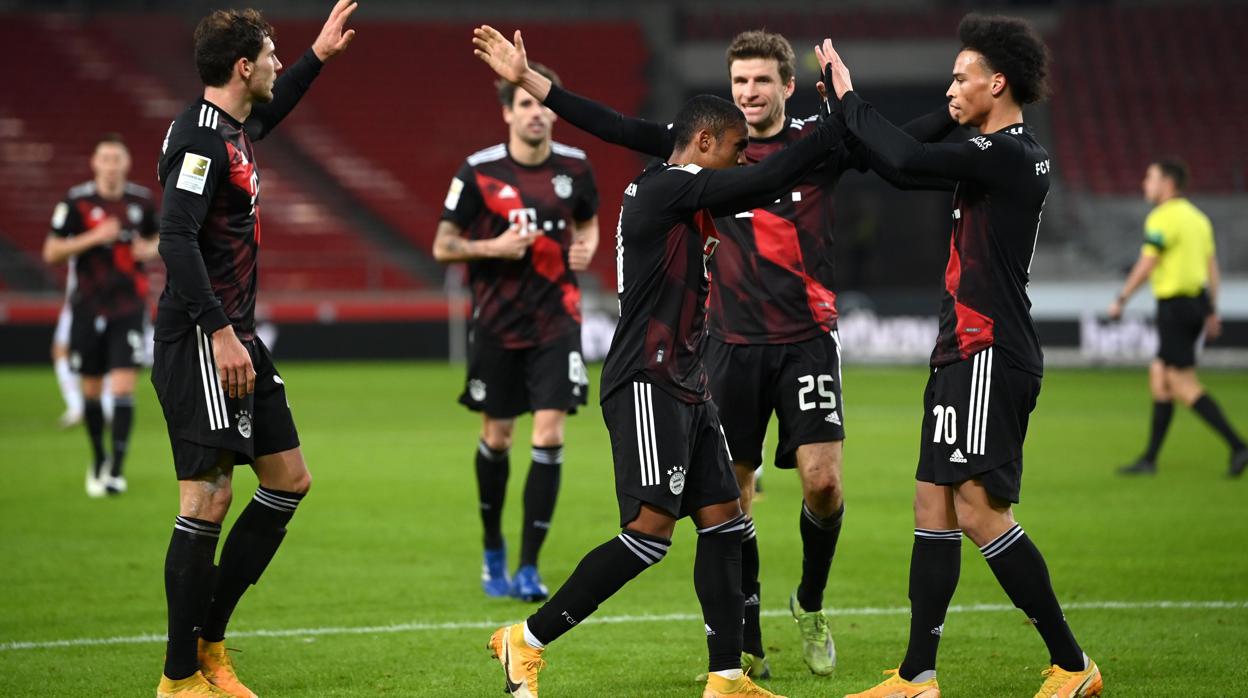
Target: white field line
point(670, 617)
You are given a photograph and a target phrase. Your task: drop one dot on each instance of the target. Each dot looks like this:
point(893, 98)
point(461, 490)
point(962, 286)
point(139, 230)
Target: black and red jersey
point(775, 261)
point(1002, 179)
point(210, 219)
point(106, 280)
point(773, 275)
point(664, 240)
point(534, 300)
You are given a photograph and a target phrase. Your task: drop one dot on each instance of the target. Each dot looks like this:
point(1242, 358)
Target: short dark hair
point(110, 138)
point(709, 112)
point(1010, 46)
point(1173, 168)
point(507, 91)
point(225, 36)
point(760, 43)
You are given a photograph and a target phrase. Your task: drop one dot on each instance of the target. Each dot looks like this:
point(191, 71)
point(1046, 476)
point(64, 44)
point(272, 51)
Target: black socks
point(493, 468)
point(541, 490)
point(189, 581)
point(935, 564)
point(819, 537)
point(601, 573)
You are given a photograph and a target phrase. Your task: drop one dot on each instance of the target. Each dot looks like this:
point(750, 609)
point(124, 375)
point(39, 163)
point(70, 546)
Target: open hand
point(505, 58)
point(841, 82)
point(234, 367)
point(333, 40)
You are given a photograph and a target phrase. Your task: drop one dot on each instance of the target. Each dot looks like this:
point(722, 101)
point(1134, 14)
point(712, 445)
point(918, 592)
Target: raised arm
point(510, 61)
point(737, 189)
point(294, 82)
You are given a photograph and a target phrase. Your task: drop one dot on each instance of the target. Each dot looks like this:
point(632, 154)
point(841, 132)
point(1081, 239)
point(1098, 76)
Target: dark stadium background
point(353, 181)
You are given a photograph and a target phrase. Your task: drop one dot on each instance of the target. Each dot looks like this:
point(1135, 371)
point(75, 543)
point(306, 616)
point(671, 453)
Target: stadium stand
point(1132, 83)
point(44, 149)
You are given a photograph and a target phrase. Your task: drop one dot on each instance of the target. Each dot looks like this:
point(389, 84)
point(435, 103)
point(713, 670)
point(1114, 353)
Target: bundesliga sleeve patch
point(58, 215)
point(452, 194)
point(194, 173)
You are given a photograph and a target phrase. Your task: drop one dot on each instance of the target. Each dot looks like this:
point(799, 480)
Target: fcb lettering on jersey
point(534, 300)
point(991, 245)
point(776, 261)
point(106, 280)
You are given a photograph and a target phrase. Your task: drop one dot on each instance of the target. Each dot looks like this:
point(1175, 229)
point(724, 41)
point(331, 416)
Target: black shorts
point(800, 382)
point(505, 383)
point(98, 344)
point(204, 420)
point(1180, 322)
point(975, 415)
point(669, 454)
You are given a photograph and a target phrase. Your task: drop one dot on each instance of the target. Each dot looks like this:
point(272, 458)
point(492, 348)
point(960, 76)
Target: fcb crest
point(135, 213)
point(563, 186)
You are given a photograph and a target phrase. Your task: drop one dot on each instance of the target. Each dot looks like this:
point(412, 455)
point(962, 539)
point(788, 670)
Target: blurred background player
point(524, 216)
point(225, 404)
point(1181, 264)
point(107, 229)
point(772, 344)
point(987, 363)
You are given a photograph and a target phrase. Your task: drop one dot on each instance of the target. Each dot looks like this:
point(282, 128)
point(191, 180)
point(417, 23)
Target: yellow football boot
point(193, 686)
point(741, 687)
point(1059, 683)
point(896, 687)
point(521, 663)
point(216, 666)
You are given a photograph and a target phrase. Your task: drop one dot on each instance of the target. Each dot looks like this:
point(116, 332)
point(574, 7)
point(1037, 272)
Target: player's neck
point(528, 154)
point(231, 100)
point(999, 118)
point(110, 190)
point(767, 131)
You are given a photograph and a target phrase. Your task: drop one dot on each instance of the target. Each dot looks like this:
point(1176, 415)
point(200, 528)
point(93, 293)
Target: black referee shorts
point(1180, 323)
point(204, 420)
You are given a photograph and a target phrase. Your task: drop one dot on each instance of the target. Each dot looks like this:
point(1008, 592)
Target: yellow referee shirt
point(1181, 237)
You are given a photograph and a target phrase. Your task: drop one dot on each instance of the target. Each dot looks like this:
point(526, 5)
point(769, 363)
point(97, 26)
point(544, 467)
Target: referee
point(1179, 260)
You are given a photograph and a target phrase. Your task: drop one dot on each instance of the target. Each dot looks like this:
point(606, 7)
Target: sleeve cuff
point(213, 320)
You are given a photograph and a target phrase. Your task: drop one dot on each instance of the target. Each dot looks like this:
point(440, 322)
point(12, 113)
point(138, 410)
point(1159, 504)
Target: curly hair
point(1010, 46)
point(225, 36)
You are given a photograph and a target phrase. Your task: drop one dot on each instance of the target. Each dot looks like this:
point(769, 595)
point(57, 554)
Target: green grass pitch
point(376, 591)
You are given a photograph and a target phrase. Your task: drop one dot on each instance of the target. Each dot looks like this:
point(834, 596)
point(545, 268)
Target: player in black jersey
point(772, 343)
point(987, 364)
point(523, 215)
point(107, 229)
point(224, 402)
point(671, 457)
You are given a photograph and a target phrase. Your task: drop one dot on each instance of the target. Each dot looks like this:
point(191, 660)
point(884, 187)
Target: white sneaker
point(70, 418)
point(115, 485)
point(96, 486)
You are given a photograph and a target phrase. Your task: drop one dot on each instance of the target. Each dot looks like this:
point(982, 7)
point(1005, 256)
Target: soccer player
point(523, 215)
point(1179, 260)
point(987, 364)
point(773, 344)
point(671, 457)
point(106, 228)
point(224, 401)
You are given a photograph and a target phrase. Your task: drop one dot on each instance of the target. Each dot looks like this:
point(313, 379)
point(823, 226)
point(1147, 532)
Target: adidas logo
point(507, 192)
point(957, 456)
point(833, 418)
point(709, 632)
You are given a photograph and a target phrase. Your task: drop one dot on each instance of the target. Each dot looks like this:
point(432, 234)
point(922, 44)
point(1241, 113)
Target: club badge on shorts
point(676, 479)
point(243, 419)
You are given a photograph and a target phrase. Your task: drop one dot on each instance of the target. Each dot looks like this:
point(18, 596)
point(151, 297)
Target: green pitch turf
point(376, 591)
